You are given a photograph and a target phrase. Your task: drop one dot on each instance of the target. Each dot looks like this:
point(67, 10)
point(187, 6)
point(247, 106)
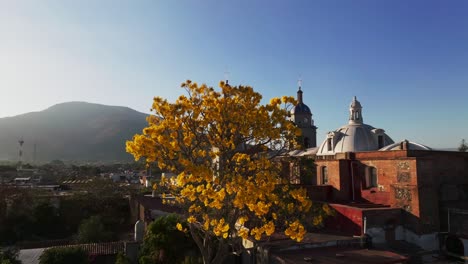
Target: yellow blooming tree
point(222, 144)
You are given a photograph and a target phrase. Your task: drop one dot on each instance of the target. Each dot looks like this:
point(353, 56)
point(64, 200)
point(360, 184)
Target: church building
point(302, 117)
point(385, 189)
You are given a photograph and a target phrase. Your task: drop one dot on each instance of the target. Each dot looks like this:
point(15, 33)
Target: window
point(371, 177)
point(329, 144)
point(324, 175)
point(306, 142)
point(380, 141)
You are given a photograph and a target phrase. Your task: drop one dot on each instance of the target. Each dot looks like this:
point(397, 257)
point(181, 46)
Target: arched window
point(324, 175)
point(306, 142)
point(371, 177)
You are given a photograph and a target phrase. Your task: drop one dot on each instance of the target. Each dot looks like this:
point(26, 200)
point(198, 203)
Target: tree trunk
point(213, 251)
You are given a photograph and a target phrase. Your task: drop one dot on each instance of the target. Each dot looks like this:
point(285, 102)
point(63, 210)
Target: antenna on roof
point(20, 161)
point(35, 153)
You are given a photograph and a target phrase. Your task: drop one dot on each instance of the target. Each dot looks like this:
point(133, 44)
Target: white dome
point(355, 136)
point(405, 144)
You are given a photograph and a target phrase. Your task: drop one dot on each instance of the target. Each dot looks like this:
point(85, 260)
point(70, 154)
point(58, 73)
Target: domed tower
point(355, 136)
point(302, 117)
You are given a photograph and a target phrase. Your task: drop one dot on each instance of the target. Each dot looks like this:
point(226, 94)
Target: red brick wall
point(375, 196)
point(397, 182)
point(389, 172)
point(338, 178)
point(443, 181)
point(349, 220)
point(423, 183)
point(319, 192)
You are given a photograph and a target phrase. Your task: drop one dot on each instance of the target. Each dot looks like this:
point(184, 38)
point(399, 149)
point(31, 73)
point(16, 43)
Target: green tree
point(463, 146)
point(112, 208)
point(164, 243)
point(69, 255)
point(16, 207)
point(121, 259)
point(25, 214)
point(308, 170)
point(93, 230)
point(9, 256)
point(46, 221)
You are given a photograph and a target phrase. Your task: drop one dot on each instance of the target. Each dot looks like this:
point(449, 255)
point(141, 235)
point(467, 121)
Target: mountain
point(73, 131)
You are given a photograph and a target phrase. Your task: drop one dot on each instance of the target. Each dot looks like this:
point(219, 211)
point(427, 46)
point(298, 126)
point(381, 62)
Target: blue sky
point(406, 61)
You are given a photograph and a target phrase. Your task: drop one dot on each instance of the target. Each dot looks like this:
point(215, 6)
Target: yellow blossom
point(216, 141)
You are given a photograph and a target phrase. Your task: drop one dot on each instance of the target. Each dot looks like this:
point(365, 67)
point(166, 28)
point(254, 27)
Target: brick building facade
point(390, 191)
point(423, 184)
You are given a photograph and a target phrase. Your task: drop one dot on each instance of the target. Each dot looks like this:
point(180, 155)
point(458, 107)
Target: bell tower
point(302, 117)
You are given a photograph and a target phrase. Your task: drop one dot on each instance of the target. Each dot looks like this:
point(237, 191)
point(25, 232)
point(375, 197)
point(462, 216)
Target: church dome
point(355, 136)
point(300, 107)
point(405, 144)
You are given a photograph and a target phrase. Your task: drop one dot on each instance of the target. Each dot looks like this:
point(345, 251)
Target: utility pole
point(20, 161)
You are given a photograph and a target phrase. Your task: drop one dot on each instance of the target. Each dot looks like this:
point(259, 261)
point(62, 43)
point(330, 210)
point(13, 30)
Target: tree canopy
point(223, 145)
point(92, 230)
point(9, 256)
point(164, 243)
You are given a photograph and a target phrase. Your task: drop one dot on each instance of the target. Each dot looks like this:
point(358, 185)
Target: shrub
point(121, 259)
point(164, 243)
point(9, 256)
point(93, 230)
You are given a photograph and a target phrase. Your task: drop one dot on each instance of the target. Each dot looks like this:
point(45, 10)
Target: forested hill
point(73, 131)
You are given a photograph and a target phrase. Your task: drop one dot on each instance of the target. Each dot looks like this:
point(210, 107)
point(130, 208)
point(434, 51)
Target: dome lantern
point(355, 112)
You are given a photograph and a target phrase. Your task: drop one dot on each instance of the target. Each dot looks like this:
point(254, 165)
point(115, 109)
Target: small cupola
point(355, 112)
